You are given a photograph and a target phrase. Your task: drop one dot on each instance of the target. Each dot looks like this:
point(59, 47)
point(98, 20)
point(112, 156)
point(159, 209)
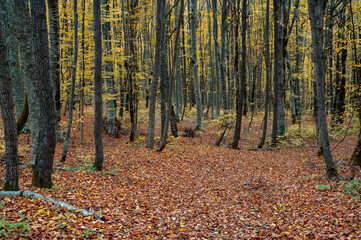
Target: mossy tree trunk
point(47, 121)
point(7, 112)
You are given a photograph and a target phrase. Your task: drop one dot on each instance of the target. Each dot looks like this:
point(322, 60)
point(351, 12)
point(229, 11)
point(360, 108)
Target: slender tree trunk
point(223, 55)
point(268, 76)
point(211, 93)
point(317, 12)
point(72, 87)
point(217, 56)
point(83, 75)
point(278, 66)
point(109, 72)
point(54, 27)
point(194, 63)
point(7, 113)
point(153, 91)
point(47, 126)
point(131, 68)
point(241, 82)
point(98, 138)
point(163, 69)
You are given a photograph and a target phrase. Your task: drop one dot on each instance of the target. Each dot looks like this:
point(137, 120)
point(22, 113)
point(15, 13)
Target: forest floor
point(191, 190)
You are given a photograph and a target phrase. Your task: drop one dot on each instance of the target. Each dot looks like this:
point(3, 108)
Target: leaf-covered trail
point(190, 190)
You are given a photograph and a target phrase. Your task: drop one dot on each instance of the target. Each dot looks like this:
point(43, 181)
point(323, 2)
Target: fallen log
point(32, 195)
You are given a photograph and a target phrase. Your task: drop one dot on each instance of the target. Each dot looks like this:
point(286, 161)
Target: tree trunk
point(72, 87)
point(163, 69)
point(98, 98)
point(11, 26)
point(241, 89)
point(153, 91)
point(224, 55)
point(7, 113)
point(217, 56)
point(268, 77)
point(47, 132)
point(54, 30)
point(194, 63)
point(317, 12)
point(109, 73)
point(131, 67)
point(278, 66)
point(25, 36)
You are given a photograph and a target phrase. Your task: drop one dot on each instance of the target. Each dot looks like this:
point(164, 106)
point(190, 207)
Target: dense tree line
point(221, 57)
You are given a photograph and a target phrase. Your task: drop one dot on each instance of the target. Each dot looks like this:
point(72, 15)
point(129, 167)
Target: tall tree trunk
point(211, 93)
point(160, 39)
point(194, 63)
point(278, 66)
point(170, 110)
point(132, 67)
point(54, 29)
point(7, 113)
point(98, 98)
point(223, 55)
point(268, 77)
point(240, 89)
point(217, 56)
point(72, 87)
point(11, 27)
point(47, 126)
point(109, 72)
point(25, 36)
point(317, 12)
point(163, 69)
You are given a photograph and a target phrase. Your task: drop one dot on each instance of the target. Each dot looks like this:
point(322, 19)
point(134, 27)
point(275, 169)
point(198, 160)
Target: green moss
point(8, 187)
point(38, 181)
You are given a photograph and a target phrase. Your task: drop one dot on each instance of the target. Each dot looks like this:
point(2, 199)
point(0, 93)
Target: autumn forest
point(183, 119)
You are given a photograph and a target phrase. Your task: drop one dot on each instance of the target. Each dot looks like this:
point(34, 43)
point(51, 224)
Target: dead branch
point(32, 195)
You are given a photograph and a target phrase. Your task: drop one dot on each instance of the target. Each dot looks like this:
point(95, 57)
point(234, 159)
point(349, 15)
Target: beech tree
point(47, 138)
point(98, 98)
point(7, 113)
point(317, 11)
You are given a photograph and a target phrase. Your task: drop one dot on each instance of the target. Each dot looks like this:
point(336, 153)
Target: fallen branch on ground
point(32, 195)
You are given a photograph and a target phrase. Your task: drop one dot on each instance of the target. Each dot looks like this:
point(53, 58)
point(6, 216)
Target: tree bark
point(72, 87)
point(54, 30)
point(241, 89)
point(223, 55)
point(194, 63)
point(216, 57)
point(98, 98)
point(278, 66)
point(268, 76)
point(317, 12)
point(11, 27)
point(7, 113)
point(47, 137)
point(109, 73)
point(25, 36)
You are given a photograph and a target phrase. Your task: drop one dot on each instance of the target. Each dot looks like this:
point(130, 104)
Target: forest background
point(281, 79)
